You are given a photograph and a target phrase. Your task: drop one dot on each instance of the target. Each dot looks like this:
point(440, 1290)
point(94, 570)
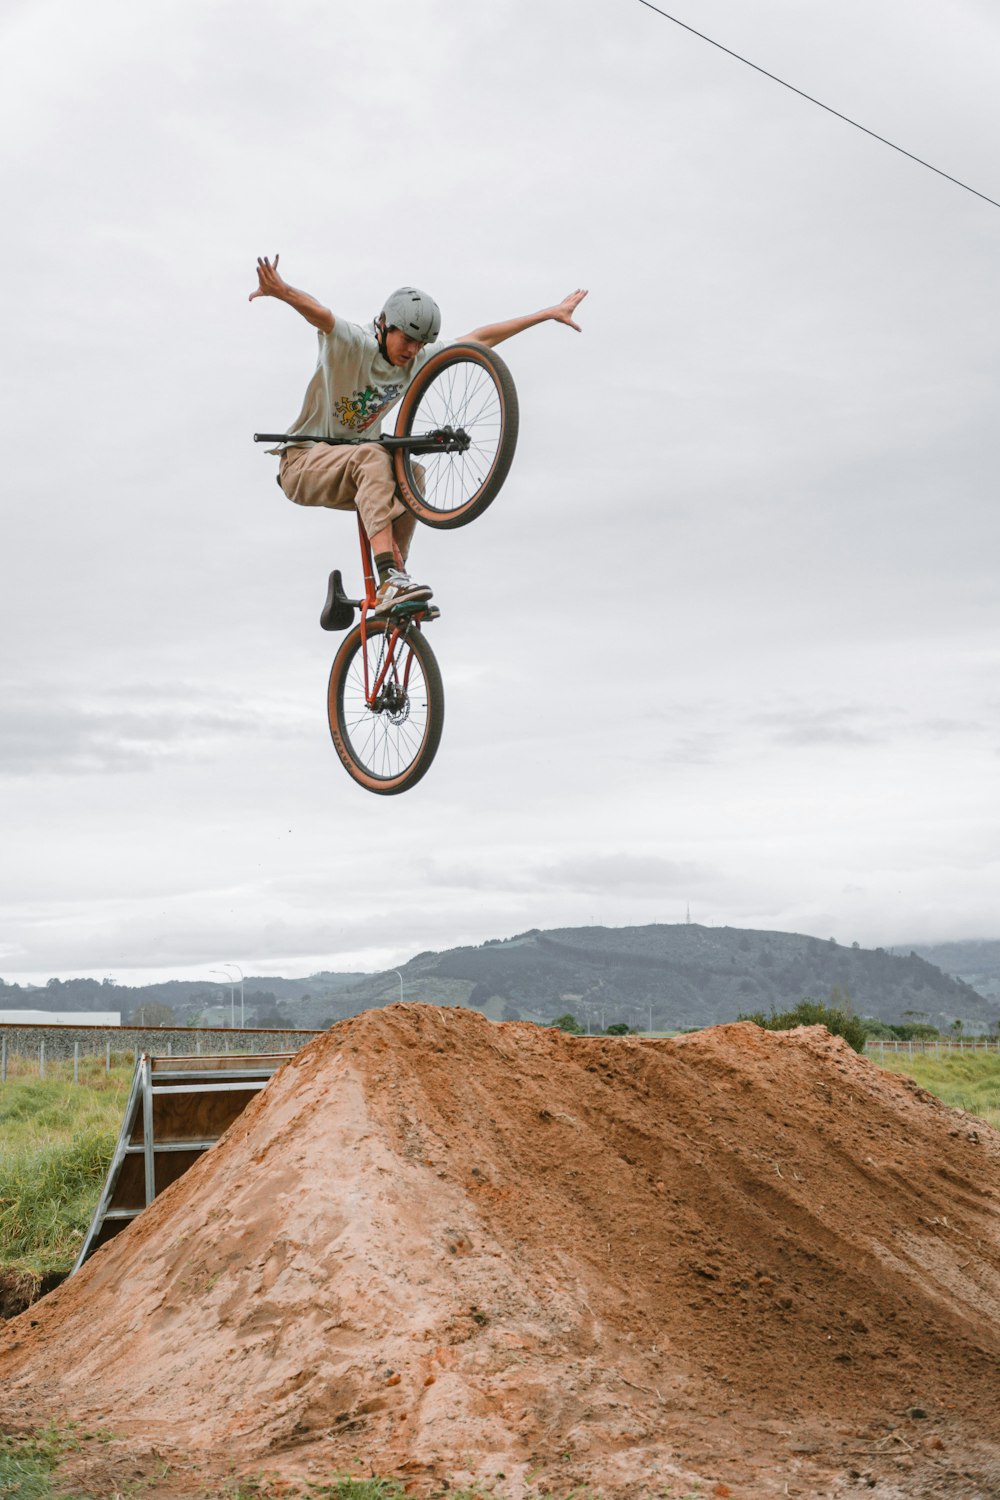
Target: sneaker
point(398, 588)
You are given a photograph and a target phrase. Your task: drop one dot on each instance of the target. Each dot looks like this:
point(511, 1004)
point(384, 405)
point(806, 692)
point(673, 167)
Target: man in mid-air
point(359, 376)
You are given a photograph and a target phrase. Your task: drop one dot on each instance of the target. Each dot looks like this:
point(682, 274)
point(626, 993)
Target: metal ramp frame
point(177, 1108)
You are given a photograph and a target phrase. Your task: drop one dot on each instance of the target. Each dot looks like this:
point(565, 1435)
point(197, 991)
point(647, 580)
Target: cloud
point(596, 873)
point(731, 623)
point(586, 872)
point(843, 727)
point(130, 730)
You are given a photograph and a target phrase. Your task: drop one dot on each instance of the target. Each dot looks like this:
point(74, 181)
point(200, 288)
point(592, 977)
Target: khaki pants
point(350, 478)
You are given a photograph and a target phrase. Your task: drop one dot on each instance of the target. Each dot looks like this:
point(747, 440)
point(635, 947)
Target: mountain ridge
point(658, 977)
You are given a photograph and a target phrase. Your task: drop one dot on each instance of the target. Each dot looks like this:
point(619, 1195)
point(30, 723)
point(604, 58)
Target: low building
point(60, 1018)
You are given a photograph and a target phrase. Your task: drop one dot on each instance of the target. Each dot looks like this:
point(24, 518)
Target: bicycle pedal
point(414, 608)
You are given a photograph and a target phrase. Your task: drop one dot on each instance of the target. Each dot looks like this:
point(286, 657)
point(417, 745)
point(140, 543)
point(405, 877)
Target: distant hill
point(666, 977)
point(268, 1001)
point(976, 961)
point(675, 976)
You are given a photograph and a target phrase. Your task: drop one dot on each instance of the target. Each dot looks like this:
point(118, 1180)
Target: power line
point(830, 111)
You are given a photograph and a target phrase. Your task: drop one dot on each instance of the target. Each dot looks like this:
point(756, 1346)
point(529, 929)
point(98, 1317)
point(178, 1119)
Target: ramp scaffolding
point(177, 1109)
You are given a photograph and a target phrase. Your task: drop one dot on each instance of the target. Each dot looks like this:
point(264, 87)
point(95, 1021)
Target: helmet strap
point(381, 332)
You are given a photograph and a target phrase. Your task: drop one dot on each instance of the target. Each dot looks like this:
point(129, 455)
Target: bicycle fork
point(379, 695)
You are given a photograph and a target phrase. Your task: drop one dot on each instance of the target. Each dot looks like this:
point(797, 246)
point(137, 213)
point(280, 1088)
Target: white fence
point(48, 1044)
point(939, 1047)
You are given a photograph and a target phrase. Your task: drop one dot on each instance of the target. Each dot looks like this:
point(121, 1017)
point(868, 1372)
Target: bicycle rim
point(387, 746)
point(467, 388)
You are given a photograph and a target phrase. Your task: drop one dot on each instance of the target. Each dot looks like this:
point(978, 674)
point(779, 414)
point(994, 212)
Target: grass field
point(56, 1141)
point(963, 1080)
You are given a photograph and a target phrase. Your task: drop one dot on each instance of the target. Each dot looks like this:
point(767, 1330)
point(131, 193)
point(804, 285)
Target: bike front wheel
point(469, 389)
point(386, 736)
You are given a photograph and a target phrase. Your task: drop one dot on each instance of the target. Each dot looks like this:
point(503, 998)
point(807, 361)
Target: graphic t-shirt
point(353, 386)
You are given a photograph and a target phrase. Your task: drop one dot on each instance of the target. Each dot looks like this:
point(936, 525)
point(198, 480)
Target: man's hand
point(269, 283)
point(495, 333)
point(565, 310)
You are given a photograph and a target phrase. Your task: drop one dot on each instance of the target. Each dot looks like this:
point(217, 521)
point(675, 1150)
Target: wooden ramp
point(177, 1108)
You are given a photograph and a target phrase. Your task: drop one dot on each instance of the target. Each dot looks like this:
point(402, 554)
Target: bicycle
point(385, 699)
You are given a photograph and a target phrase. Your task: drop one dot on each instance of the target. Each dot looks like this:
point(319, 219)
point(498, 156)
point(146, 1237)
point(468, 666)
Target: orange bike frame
point(368, 568)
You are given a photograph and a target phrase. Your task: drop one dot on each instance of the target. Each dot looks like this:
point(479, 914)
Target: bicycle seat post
point(367, 563)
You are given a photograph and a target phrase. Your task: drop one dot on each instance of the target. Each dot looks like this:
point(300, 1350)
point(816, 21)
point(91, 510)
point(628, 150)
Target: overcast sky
point(728, 638)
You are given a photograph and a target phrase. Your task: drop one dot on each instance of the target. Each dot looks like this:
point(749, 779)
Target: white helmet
point(413, 313)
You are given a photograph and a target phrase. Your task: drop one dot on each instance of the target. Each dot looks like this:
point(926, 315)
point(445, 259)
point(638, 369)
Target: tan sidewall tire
point(474, 506)
point(420, 764)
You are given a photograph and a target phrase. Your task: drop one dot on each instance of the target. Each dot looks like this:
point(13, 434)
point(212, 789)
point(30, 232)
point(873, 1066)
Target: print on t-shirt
point(365, 407)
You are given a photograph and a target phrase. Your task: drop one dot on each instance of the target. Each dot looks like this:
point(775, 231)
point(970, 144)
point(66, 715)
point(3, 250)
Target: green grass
point(392, 1489)
point(963, 1080)
point(28, 1462)
point(348, 1488)
point(56, 1142)
point(359, 1489)
point(29, 1471)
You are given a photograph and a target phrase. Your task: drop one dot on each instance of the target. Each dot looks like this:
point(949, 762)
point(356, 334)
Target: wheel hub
point(394, 701)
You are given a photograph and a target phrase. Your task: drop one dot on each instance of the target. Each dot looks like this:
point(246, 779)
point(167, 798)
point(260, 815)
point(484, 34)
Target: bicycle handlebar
point(302, 437)
point(443, 440)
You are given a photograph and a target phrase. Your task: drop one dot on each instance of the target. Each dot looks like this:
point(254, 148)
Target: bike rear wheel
point(468, 388)
point(387, 745)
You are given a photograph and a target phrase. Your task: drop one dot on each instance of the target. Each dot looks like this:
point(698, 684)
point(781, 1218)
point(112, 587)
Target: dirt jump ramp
point(441, 1249)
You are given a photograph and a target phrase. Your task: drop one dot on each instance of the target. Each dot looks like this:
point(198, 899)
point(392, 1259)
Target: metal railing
point(43, 1046)
point(935, 1046)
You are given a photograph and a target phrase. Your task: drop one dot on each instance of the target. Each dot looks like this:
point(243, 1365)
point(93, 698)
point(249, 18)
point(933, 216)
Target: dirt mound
point(435, 1247)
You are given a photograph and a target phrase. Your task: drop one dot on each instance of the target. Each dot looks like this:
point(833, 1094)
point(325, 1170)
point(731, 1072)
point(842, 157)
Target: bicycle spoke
point(384, 739)
point(465, 398)
point(468, 389)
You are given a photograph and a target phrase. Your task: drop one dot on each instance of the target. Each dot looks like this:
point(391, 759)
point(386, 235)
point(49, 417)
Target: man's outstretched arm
point(270, 284)
point(495, 333)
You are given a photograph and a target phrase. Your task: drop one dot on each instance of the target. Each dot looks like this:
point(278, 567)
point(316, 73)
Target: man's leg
point(343, 478)
point(404, 525)
point(400, 536)
point(362, 478)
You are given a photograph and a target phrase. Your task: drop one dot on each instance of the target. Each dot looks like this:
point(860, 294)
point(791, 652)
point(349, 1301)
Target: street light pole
point(232, 996)
point(242, 1012)
point(400, 978)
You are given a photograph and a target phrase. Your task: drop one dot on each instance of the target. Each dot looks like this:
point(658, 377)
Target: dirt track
point(438, 1248)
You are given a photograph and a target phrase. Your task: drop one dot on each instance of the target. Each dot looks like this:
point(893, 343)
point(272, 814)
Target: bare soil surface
point(451, 1251)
